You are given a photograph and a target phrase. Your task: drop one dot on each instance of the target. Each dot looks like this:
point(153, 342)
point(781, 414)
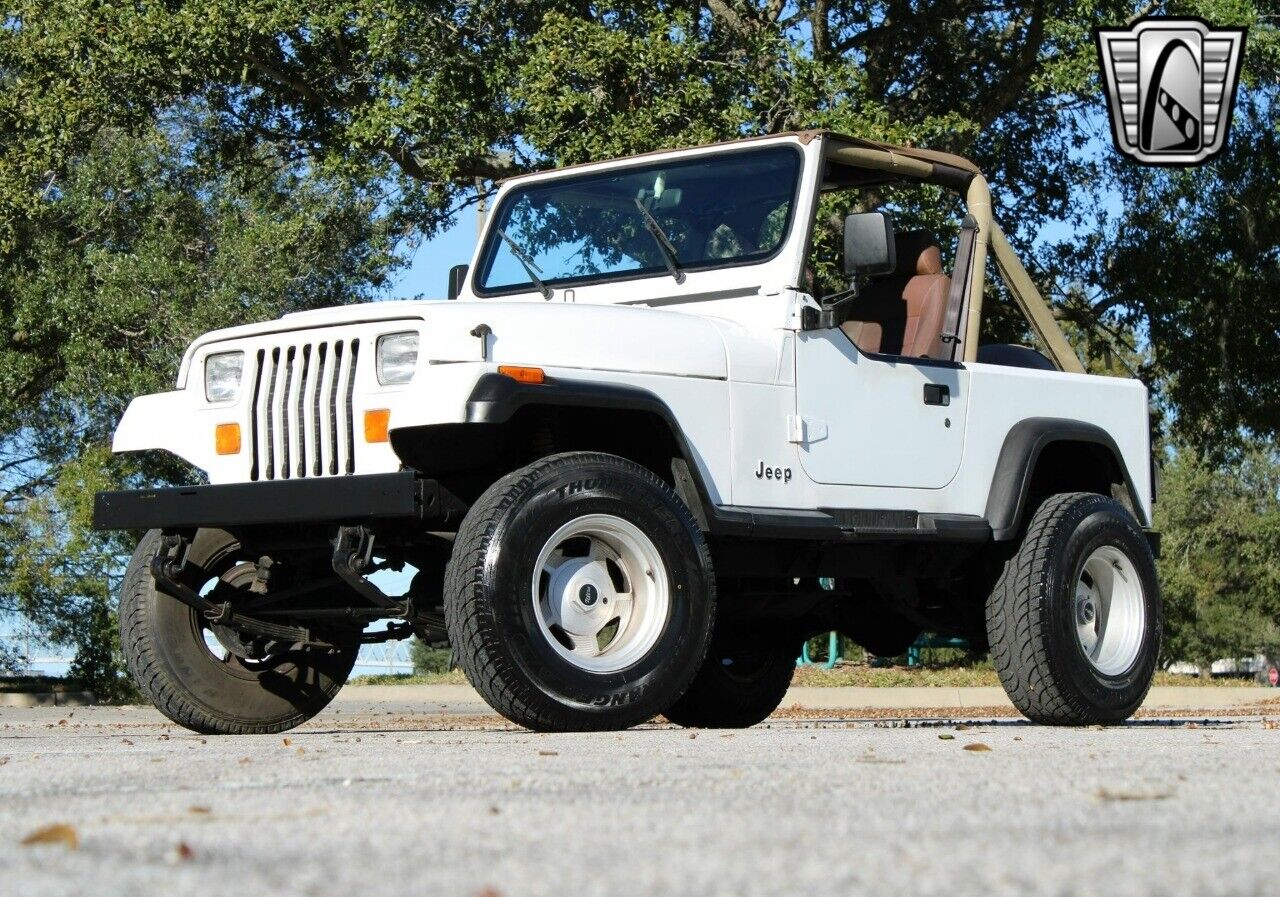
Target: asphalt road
point(451, 802)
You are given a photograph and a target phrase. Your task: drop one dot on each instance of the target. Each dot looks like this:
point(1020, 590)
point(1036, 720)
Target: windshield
point(712, 211)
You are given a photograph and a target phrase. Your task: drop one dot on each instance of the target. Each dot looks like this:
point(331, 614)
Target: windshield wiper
point(527, 262)
point(660, 237)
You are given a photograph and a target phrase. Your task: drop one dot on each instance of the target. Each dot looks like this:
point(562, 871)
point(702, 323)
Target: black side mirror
point(868, 251)
point(868, 244)
point(457, 275)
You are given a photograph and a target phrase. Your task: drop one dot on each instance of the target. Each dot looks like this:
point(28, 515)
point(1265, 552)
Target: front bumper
point(325, 500)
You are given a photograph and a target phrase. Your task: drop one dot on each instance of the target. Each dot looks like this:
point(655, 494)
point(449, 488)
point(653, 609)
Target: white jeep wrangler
point(624, 456)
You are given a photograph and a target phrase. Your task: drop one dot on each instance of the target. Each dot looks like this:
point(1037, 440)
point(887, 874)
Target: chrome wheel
point(1110, 611)
point(601, 593)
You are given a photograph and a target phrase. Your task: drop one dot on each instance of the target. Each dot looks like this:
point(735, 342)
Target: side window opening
point(901, 313)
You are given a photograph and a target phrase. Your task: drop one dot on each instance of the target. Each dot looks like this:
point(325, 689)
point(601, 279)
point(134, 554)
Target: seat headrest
point(917, 252)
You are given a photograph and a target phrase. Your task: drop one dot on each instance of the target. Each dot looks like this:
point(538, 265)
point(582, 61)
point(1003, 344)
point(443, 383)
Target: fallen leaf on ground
point(286, 742)
point(58, 833)
point(246, 759)
point(976, 746)
point(947, 736)
point(126, 741)
point(1109, 794)
point(183, 852)
point(199, 810)
point(548, 753)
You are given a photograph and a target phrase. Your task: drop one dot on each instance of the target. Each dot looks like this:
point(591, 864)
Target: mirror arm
point(830, 312)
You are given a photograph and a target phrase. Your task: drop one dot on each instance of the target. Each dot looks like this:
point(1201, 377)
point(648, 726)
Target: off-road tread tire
point(137, 643)
point(1016, 624)
point(473, 629)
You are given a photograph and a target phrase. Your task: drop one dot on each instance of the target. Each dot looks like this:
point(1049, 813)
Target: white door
point(877, 420)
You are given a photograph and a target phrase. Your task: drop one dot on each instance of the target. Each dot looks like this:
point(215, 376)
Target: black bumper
point(350, 499)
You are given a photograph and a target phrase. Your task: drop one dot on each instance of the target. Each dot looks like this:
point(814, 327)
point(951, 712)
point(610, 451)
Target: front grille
point(303, 425)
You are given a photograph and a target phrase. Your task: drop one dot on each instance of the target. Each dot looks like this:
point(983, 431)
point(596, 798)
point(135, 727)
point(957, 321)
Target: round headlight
point(222, 376)
point(397, 358)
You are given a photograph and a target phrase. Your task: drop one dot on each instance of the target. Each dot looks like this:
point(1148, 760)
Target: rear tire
point(165, 648)
point(580, 594)
point(1074, 621)
point(743, 680)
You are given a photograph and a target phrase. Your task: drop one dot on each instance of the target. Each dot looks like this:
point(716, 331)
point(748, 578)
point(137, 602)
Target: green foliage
point(1220, 563)
point(428, 660)
point(139, 248)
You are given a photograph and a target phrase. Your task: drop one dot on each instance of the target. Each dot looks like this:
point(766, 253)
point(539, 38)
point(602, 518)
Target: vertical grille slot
point(339, 362)
point(351, 391)
point(300, 409)
point(286, 401)
point(317, 393)
point(255, 470)
point(303, 422)
point(273, 370)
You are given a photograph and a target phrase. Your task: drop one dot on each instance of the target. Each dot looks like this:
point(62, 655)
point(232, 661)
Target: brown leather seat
point(903, 313)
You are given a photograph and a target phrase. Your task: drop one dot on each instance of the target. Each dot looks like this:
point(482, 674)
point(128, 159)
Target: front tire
point(580, 594)
point(168, 647)
point(1074, 621)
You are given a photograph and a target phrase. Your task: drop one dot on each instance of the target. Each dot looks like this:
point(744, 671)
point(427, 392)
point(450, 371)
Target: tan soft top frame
point(958, 173)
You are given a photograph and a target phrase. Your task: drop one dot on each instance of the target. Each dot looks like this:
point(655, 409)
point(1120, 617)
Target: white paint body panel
point(724, 351)
point(872, 426)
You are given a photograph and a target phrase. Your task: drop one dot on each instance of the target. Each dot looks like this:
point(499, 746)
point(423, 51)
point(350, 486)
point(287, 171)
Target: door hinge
point(803, 429)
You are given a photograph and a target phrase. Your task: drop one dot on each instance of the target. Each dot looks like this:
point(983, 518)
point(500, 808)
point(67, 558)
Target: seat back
point(903, 313)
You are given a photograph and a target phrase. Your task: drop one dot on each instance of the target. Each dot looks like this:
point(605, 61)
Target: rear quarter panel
point(1000, 397)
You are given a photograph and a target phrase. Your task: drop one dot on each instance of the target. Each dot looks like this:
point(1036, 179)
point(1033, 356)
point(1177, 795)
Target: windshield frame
point(493, 223)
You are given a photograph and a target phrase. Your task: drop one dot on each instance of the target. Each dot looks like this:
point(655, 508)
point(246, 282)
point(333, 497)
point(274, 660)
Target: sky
point(428, 271)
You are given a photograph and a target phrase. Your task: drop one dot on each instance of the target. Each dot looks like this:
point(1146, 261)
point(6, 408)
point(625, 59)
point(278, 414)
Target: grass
point(847, 674)
point(453, 677)
point(955, 676)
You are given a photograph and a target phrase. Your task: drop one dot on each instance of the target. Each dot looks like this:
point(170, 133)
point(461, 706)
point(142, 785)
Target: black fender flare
point(1010, 484)
point(496, 398)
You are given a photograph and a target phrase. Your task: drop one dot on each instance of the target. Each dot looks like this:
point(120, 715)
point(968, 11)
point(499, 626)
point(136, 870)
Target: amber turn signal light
point(377, 425)
point(522, 375)
point(226, 439)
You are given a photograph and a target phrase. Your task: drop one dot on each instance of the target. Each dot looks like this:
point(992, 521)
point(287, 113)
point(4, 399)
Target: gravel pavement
point(451, 801)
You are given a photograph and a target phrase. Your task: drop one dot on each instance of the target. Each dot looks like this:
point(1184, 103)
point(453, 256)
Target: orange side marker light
point(377, 425)
point(522, 374)
point(226, 439)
